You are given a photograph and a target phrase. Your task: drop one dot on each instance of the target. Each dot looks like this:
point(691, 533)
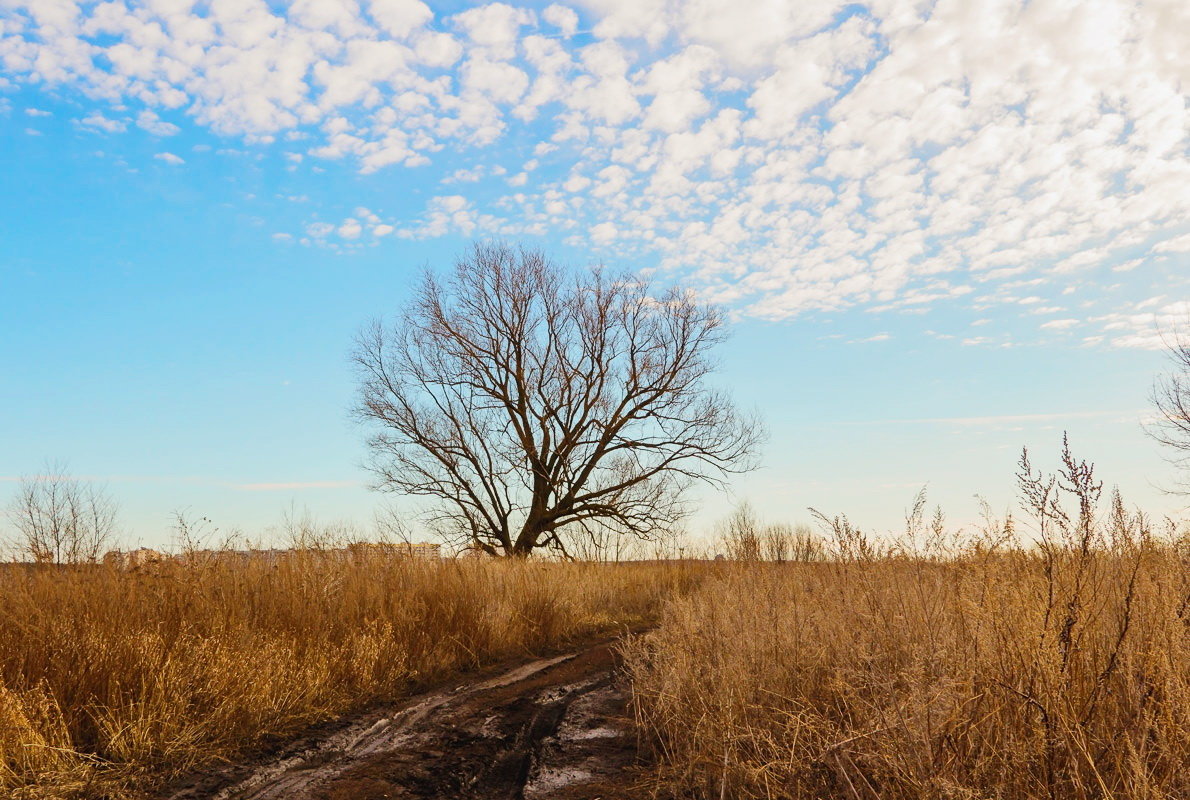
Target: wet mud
point(556, 728)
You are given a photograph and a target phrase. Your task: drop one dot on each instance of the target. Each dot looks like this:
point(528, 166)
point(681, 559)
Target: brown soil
point(554, 728)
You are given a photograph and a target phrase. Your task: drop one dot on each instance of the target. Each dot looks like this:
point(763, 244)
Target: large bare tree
point(60, 519)
point(534, 403)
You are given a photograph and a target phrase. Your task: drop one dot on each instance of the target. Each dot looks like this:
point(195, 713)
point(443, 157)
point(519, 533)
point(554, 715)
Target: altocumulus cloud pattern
point(785, 155)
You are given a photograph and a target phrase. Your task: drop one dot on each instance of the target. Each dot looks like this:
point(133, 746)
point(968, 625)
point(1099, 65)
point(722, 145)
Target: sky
point(943, 230)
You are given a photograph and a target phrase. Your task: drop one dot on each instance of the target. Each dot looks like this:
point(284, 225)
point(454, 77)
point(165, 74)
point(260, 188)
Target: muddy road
point(555, 728)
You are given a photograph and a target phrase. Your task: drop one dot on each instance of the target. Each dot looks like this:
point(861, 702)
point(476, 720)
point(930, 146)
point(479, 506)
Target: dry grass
point(919, 671)
point(111, 682)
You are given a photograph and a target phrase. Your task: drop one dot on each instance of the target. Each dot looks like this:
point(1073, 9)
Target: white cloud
point(676, 85)
point(603, 91)
point(37, 112)
point(399, 18)
point(1128, 266)
point(170, 158)
point(1142, 328)
point(98, 122)
point(749, 33)
point(438, 50)
point(465, 175)
point(1059, 324)
point(603, 233)
point(1176, 244)
point(576, 183)
point(495, 26)
point(149, 121)
point(350, 229)
point(562, 18)
point(445, 214)
point(808, 73)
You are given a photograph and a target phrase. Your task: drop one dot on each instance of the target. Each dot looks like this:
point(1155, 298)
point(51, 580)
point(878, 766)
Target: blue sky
point(945, 231)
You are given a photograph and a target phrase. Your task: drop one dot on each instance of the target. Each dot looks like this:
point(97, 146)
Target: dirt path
point(554, 728)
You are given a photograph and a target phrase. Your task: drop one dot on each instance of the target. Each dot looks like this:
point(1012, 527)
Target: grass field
point(112, 682)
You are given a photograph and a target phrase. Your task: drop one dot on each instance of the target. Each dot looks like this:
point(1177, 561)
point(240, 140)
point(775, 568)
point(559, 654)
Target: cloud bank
point(782, 156)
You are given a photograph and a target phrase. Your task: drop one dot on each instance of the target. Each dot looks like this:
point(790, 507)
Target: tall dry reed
point(112, 682)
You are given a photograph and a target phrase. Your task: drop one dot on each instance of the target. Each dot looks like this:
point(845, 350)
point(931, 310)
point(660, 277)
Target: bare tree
point(778, 542)
point(60, 519)
point(390, 526)
point(1171, 397)
point(741, 534)
point(532, 403)
point(745, 537)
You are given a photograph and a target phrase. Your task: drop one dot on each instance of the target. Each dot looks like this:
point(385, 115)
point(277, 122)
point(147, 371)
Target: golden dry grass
point(112, 682)
point(1051, 672)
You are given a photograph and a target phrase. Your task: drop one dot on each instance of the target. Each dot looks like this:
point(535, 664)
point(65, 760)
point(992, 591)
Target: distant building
point(133, 559)
point(418, 551)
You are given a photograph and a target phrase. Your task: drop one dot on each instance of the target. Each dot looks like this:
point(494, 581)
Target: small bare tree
point(745, 537)
point(1171, 398)
point(60, 519)
point(534, 404)
point(742, 534)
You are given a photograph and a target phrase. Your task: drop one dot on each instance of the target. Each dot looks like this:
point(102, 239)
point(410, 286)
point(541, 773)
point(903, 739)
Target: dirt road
point(553, 728)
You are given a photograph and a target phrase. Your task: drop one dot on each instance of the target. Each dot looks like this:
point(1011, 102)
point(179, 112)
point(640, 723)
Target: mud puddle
point(554, 728)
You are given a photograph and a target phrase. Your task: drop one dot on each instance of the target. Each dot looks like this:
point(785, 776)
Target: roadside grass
point(934, 667)
point(112, 683)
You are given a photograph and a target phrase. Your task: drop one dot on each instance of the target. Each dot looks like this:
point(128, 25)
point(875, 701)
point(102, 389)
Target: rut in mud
point(553, 728)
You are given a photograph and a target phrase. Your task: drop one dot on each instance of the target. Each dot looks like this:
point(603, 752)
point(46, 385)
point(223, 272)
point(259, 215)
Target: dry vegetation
point(111, 682)
point(1049, 659)
point(935, 668)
